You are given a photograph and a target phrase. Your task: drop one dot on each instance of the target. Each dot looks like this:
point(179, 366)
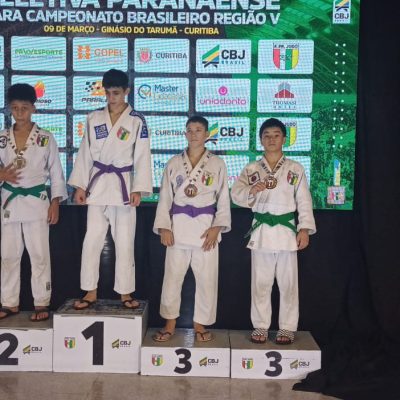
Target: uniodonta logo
point(341, 13)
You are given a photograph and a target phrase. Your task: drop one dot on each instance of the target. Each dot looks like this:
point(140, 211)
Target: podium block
point(103, 338)
point(182, 355)
point(272, 361)
point(26, 345)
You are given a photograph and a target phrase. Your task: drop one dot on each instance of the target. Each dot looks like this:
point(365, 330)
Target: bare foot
point(41, 314)
point(8, 311)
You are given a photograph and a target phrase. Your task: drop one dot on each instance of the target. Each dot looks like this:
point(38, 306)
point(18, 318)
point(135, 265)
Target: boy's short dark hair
point(199, 119)
point(21, 91)
point(115, 78)
point(272, 123)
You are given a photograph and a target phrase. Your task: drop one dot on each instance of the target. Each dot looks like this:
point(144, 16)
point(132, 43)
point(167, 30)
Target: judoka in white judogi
point(24, 213)
point(112, 162)
point(273, 241)
point(188, 218)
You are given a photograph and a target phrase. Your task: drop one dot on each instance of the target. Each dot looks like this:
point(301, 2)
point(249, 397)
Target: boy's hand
point(258, 187)
point(211, 238)
point(302, 239)
point(53, 212)
point(9, 174)
point(167, 237)
point(80, 196)
point(135, 199)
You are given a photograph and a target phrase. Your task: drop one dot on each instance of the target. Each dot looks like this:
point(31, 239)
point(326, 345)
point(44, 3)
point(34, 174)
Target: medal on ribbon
point(191, 189)
point(270, 180)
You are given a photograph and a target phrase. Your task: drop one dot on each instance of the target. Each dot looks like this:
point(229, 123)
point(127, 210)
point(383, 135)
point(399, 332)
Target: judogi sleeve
point(57, 180)
point(304, 205)
point(163, 218)
point(141, 177)
point(80, 175)
point(223, 214)
point(240, 191)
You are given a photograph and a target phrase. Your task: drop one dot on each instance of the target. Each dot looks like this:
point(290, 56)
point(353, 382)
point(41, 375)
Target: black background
point(350, 274)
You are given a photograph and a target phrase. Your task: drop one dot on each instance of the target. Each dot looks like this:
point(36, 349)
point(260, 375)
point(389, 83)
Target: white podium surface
point(103, 338)
point(272, 361)
point(26, 345)
point(182, 355)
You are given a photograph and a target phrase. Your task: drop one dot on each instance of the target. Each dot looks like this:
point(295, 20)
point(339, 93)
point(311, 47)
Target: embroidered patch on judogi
point(101, 131)
point(3, 142)
point(292, 178)
point(42, 140)
point(123, 134)
point(253, 178)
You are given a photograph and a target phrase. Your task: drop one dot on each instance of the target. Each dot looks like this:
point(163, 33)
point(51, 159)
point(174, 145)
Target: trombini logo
point(286, 56)
point(157, 360)
point(144, 91)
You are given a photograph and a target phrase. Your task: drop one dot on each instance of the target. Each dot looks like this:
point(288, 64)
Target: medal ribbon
point(270, 174)
point(31, 139)
point(204, 161)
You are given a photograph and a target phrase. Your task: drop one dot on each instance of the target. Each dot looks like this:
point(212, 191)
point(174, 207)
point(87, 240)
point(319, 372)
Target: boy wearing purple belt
point(193, 211)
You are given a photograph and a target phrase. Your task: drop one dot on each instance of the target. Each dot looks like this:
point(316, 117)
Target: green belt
point(35, 191)
point(272, 220)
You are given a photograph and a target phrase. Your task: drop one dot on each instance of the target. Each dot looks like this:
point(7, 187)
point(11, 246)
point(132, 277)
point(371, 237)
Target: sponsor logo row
point(215, 56)
point(172, 94)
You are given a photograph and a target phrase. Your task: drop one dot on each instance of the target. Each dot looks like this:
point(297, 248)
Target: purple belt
point(192, 211)
point(108, 169)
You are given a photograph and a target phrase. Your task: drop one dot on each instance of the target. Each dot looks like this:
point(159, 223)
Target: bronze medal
point(19, 162)
point(270, 182)
point(191, 190)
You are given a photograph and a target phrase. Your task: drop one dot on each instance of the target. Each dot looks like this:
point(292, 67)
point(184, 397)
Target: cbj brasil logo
point(229, 131)
point(216, 56)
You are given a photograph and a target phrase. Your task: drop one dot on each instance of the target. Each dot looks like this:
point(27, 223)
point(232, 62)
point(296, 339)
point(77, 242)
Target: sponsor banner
point(341, 13)
point(161, 94)
point(223, 56)
point(100, 54)
point(167, 133)
point(298, 133)
point(228, 133)
point(159, 162)
point(78, 129)
point(88, 93)
point(35, 53)
point(286, 56)
point(162, 55)
point(234, 165)
point(284, 95)
point(1, 91)
point(54, 123)
point(50, 90)
point(1, 121)
point(223, 95)
point(1, 52)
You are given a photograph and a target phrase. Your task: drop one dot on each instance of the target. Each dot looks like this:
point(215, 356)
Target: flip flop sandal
point(39, 311)
point(162, 336)
point(203, 336)
point(261, 334)
point(129, 301)
point(284, 337)
point(8, 312)
point(87, 302)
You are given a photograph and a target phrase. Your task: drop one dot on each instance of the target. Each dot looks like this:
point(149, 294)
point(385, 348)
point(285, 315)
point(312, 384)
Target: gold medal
point(19, 162)
point(191, 190)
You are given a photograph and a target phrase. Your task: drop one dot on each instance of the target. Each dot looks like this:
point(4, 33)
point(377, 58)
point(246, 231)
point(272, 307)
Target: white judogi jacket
point(124, 144)
point(212, 186)
point(290, 194)
point(42, 163)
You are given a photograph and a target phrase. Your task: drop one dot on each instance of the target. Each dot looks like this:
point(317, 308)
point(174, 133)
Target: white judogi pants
point(35, 236)
point(122, 220)
point(205, 269)
point(265, 266)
